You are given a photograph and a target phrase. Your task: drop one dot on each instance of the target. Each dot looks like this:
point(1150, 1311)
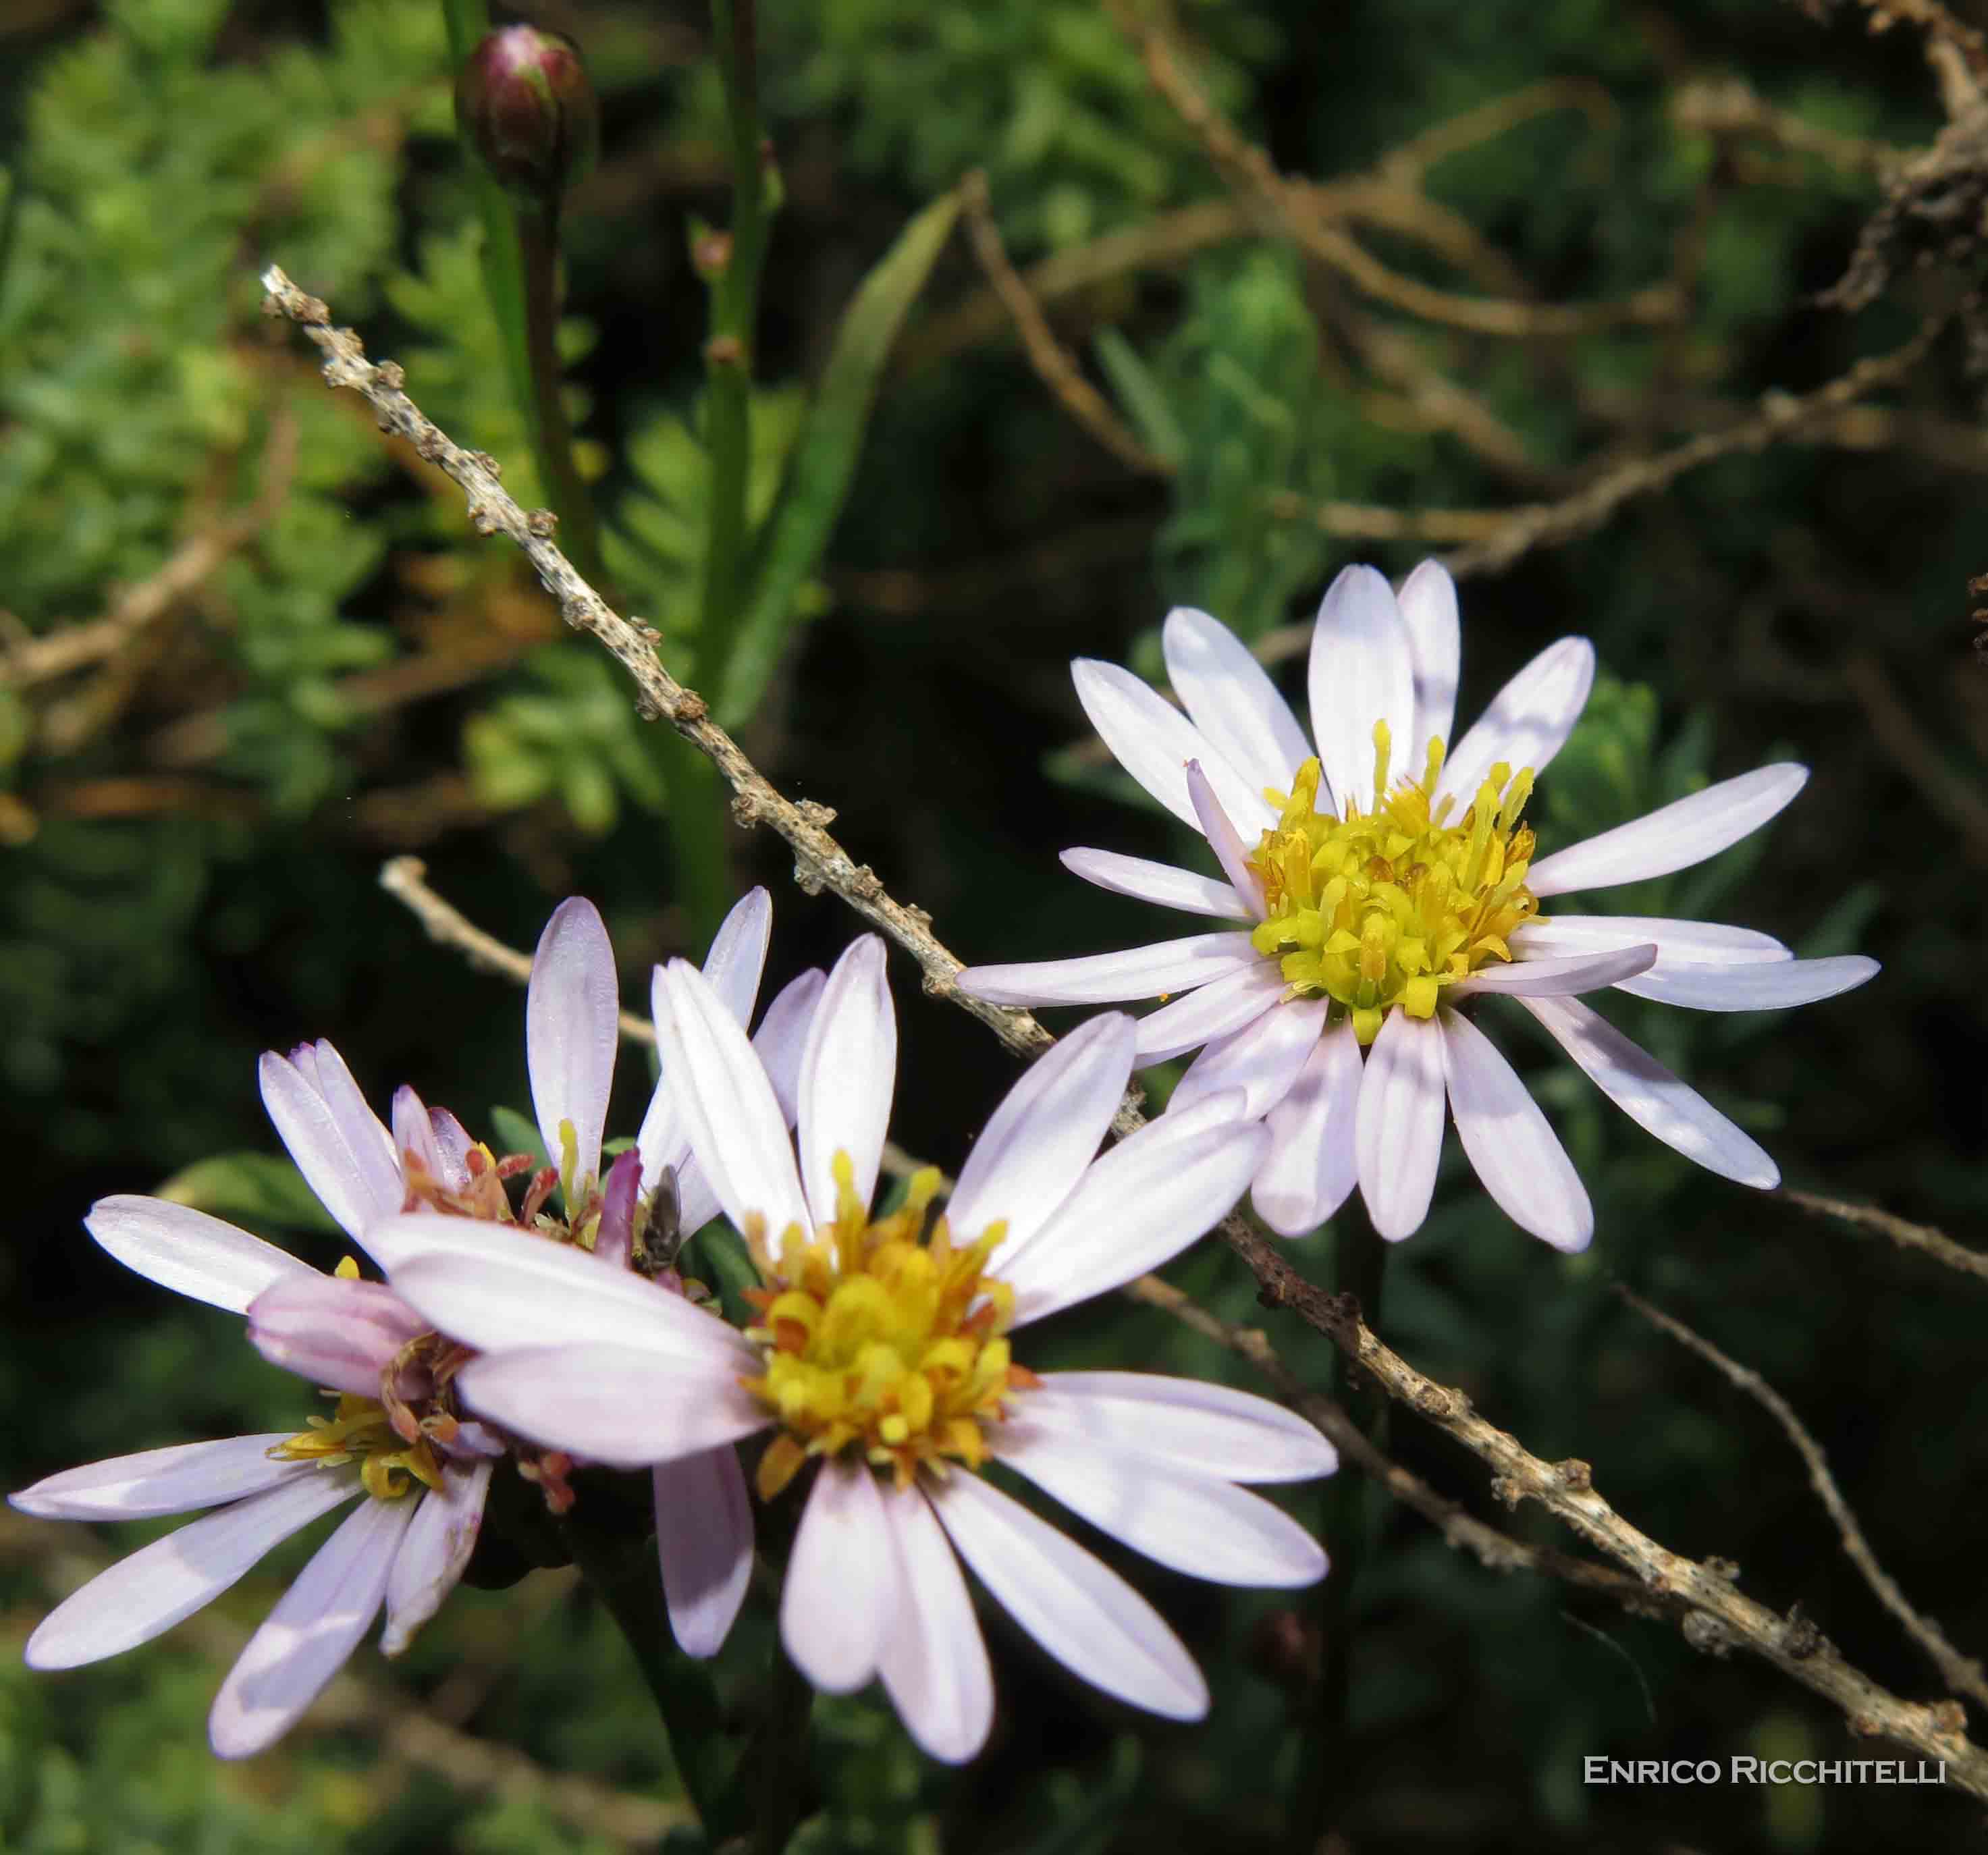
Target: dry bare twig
point(1921, 1237)
point(1717, 1615)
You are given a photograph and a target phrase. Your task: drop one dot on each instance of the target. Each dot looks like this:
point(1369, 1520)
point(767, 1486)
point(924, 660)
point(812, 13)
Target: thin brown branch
point(1962, 1674)
point(1717, 1616)
point(1921, 1237)
point(1731, 107)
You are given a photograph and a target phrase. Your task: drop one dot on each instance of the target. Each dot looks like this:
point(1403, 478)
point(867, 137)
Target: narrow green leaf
point(1139, 396)
point(824, 458)
point(717, 1255)
point(254, 1187)
point(517, 1134)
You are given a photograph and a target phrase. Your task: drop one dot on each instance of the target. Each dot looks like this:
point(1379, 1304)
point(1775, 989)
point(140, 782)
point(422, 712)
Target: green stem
point(727, 350)
point(538, 244)
point(1350, 1525)
point(699, 809)
point(622, 1573)
point(780, 1761)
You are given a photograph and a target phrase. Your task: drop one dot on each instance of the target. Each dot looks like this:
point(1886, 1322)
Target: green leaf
point(824, 461)
point(256, 1188)
point(515, 1133)
point(1141, 396)
point(717, 1255)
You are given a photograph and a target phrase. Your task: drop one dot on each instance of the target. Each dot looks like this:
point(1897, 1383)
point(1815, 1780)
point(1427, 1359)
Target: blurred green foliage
point(192, 819)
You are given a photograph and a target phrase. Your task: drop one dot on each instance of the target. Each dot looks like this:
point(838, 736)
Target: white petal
point(1398, 1127)
point(704, 1541)
point(848, 1070)
point(1107, 979)
point(834, 1605)
point(337, 1333)
point(737, 1130)
point(188, 1252)
point(1770, 986)
point(663, 1138)
point(1264, 1059)
point(439, 1541)
point(494, 1287)
point(1154, 741)
point(1527, 723)
point(1673, 837)
point(304, 1641)
point(1159, 884)
point(782, 1035)
point(1560, 976)
point(1140, 1204)
point(1200, 1525)
point(1082, 1612)
point(1210, 1011)
point(1313, 1163)
point(1046, 1131)
point(1516, 1154)
point(629, 1410)
point(144, 1596)
point(453, 1142)
point(1711, 942)
point(1651, 1096)
point(1229, 849)
point(346, 1156)
point(1232, 700)
point(697, 1203)
point(154, 1482)
point(933, 1662)
point(1428, 600)
point(1361, 673)
point(1191, 1426)
point(570, 1009)
point(737, 957)
point(414, 1133)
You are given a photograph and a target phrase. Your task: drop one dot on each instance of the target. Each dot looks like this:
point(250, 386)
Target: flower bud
point(524, 101)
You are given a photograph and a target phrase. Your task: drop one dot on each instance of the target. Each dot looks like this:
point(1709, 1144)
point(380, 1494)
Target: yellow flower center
point(362, 1432)
point(878, 1341)
point(1385, 908)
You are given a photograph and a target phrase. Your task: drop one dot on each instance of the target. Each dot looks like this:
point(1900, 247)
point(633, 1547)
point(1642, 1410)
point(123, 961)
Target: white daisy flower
point(1388, 880)
point(884, 1352)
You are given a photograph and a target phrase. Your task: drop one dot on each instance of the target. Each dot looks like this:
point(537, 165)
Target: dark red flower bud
point(524, 101)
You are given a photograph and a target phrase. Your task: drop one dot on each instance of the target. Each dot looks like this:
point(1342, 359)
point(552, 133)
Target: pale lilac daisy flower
point(1386, 881)
point(881, 1354)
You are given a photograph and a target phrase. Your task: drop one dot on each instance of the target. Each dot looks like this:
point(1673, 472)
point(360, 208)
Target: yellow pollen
point(1386, 908)
point(361, 1432)
point(877, 1342)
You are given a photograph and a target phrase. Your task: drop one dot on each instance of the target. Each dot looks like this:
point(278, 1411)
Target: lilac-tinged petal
point(664, 1138)
point(1209, 1012)
point(627, 1409)
point(346, 1158)
point(1232, 700)
point(737, 957)
point(1769, 986)
point(782, 1037)
point(335, 1333)
point(849, 1068)
point(1558, 976)
point(453, 1142)
point(190, 1252)
point(1398, 1127)
point(1673, 837)
point(1528, 722)
point(1109, 978)
point(304, 1641)
point(1202, 1526)
point(413, 1132)
point(1046, 1131)
point(438, 1543)
point(835, 1605)
point(145, 1595)
point(1187, 1424)
point(614, 1235)
point(1652, 1097)
point(1223, 839)
point(1154, 741)
point(1428, 600)
point(933, 1660)
point(570, 1009)
point(1314, 1164)
point(1515, 1153)
point(1713, 942)
point(494, 1287)
point(1139, 1205)
point(1264, 1059)
point(1082, 1612)
point(1159, 884)
point(171, 1481)
point(704, 1540)
point(1361, 673)
point(697, 1203)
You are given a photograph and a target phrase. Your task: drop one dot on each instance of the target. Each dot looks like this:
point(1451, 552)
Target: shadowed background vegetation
point(250, 651)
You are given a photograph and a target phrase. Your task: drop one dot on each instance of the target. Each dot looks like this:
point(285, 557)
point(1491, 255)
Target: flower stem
point(538, 244)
